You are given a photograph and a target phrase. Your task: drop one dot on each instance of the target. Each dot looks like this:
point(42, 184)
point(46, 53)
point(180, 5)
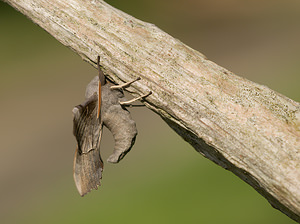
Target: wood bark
point(244, 127)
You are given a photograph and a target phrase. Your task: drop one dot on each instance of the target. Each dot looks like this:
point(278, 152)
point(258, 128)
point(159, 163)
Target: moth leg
point(124, 85)
point(122, 103)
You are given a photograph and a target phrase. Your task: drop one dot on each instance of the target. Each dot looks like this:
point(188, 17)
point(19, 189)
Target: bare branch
point(244, 127)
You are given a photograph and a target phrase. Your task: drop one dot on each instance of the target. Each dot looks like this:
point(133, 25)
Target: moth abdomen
point(123, 129)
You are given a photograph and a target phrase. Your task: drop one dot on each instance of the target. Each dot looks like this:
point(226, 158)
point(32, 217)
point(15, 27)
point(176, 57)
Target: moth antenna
point(100, 73)
point(135, 99)
point(124, 85)
point(101, 82)
point(99, 99)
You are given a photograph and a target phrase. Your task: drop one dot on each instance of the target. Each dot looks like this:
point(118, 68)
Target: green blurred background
point(163, 179)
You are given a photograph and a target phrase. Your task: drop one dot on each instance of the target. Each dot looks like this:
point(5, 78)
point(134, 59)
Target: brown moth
point(103, 105)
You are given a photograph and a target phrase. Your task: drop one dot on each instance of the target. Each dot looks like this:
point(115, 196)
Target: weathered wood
point(244, 127)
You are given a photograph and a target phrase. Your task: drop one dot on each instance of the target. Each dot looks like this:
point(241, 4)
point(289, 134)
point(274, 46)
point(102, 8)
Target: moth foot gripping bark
point(102, 106)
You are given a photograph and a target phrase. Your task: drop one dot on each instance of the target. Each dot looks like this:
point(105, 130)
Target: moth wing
point(88, 165)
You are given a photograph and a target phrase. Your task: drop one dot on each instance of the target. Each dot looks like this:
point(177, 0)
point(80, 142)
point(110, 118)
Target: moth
point(104, 105)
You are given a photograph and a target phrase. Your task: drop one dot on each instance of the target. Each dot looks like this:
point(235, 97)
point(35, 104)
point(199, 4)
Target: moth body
point(87, 128)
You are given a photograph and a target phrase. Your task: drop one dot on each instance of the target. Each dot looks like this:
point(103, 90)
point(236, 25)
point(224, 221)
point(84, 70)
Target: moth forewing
point(88, 165)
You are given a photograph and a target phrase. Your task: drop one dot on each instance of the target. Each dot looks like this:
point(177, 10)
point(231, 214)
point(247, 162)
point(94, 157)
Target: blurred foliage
point(162, 180)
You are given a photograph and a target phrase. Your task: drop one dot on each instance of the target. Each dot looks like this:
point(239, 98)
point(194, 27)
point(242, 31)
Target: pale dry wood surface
point(244, 127)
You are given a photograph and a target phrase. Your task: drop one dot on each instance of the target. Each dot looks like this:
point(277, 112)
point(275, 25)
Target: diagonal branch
point(244, 127)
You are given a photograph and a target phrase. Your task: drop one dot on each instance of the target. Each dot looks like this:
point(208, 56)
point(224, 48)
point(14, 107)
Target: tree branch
point(244, 127)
